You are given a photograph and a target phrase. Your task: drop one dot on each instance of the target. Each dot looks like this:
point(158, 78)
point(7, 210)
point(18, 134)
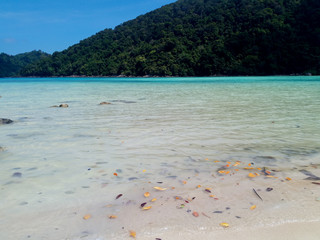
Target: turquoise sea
point(205, 142)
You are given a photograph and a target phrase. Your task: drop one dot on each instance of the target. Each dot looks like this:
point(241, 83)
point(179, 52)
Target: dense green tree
point(10, 66)
point(199, 38)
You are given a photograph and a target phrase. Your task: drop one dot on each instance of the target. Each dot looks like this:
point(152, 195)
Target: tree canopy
point(10, 66)
point(199, 38)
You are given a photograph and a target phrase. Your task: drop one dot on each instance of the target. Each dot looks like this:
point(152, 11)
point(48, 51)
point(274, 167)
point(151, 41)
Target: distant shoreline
point(156, 76)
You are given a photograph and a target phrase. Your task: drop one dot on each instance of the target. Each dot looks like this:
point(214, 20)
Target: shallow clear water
point(58, 164)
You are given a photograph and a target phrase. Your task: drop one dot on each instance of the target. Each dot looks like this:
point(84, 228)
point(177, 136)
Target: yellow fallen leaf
point(199, 186)
point(146, 208)
point(159, 188)
point(253, 207)
point(184, 182)
point(144, 170)
point(270, 176)
point(236, 164)
point(112, 216)
point(288, 179)
point(221, 171)
point(153, 200)
point(212, 196)
point(86, 217)
point(251, 175)
point(216, 161)
point(133, 234)
point(207, 159)
point(146, 194)
point(225, 225)
point(248, 168)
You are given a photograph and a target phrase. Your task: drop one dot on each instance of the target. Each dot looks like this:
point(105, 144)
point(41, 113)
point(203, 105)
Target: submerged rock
point(310, 175)
point(123, 101)
point(17, 174)
point(64, 105)
point(5, 121)
point(104, 103)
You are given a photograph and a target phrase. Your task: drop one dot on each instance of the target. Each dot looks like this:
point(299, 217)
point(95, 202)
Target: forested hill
point(10, 66)
point(200, 38)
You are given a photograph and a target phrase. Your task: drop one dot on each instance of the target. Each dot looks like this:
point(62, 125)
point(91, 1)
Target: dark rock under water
point(5, 121)
point(310, 175)
point(17, 174)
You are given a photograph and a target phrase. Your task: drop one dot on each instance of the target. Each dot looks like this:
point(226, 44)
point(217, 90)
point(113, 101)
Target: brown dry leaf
point(112, 216)
point(253, 207)
point(208, 190)
point(159, 188)
point(205, 215)
point(225, 225)
point(133, 234)
point(146, 194)
point(120, 195)
point(270, 176)
point(86, 217)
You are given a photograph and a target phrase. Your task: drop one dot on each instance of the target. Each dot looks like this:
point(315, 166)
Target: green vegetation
point(200, 38)
point(10, 66)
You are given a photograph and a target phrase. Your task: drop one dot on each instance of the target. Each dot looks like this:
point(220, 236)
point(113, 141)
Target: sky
point(54, 25)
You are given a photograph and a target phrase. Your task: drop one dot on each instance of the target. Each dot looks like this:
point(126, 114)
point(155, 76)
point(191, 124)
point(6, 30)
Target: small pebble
point(217, 212)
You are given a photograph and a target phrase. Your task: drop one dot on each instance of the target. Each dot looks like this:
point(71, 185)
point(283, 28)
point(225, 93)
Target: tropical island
point(192, 38)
